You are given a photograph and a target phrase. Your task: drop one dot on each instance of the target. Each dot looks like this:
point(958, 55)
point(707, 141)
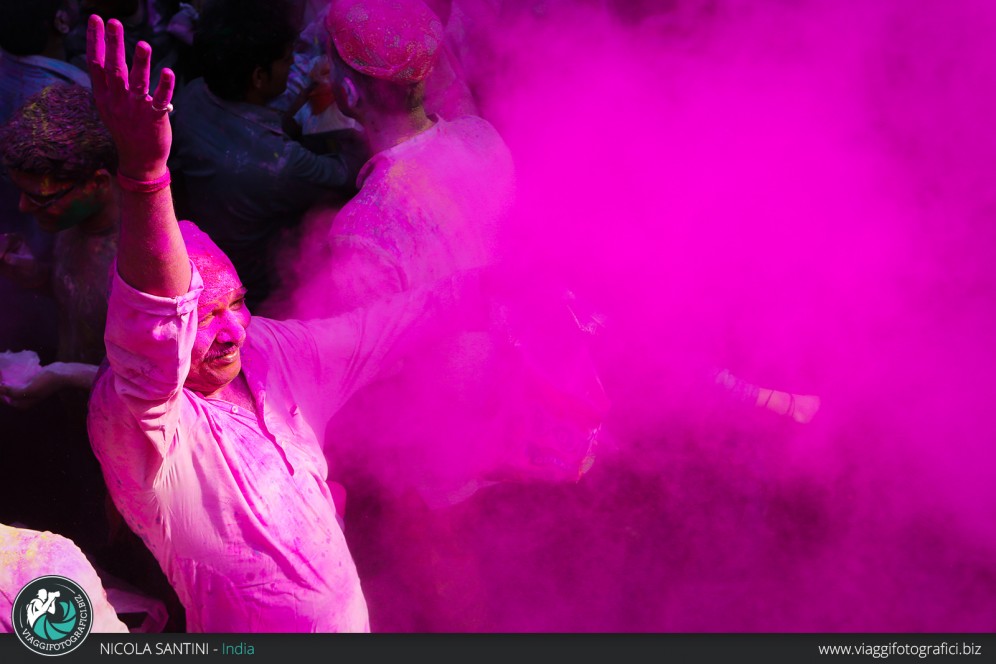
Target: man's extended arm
point(151, 310)
point(151, 255)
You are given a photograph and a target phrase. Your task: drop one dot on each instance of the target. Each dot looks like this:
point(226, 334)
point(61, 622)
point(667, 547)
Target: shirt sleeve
point(149, 340)
point(353, 348)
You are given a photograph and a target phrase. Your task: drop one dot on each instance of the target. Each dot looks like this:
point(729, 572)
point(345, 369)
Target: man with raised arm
point(205, 427)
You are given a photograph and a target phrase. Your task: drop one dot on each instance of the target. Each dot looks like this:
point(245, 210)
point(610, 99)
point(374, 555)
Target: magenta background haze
point(802, 192)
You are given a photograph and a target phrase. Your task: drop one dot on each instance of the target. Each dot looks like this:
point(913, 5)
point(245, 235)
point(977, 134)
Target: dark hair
point(25, 25)
point(233, 37)
point(58, 133)
point(108, 9)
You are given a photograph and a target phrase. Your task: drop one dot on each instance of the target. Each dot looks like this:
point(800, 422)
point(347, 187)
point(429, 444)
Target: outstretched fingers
point(95, 53)
point(138, 80)
point(115, 66)
point(137, 121)
point(164, 91)
point(106, 56)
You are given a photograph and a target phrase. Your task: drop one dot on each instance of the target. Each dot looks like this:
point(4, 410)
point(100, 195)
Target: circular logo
point(52, 615)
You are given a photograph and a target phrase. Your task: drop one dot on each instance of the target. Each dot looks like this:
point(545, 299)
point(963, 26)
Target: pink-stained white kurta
point(27, 554)
point(237, 510)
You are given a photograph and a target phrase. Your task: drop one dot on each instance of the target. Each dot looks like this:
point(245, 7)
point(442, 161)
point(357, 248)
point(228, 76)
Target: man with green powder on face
point(59, 156)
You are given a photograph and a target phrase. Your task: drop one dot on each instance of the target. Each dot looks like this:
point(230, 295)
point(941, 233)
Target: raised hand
point(151, 254)
point(137, 121)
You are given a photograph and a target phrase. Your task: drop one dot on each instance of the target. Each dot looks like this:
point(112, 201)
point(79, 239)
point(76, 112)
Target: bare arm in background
point(50, 379)
point(152, 257)
point(799, 407)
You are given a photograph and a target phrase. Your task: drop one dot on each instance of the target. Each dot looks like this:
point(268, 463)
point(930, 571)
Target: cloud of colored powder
point(801, 192)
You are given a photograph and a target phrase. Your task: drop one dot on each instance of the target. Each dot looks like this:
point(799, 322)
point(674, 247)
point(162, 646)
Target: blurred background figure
point(33, 42)
point(308, 96)
point(432, 201)
point(234, 169)
point(60, 157)
point(33, 38)
point(33, 56)
point(143, 20)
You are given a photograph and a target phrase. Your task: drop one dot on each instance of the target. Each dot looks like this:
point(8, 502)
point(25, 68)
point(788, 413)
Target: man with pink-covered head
point(431, 202)
point(207, 423)
point(434, 194)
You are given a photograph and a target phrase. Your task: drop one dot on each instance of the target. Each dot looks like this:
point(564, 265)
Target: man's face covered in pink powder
point(222, 316)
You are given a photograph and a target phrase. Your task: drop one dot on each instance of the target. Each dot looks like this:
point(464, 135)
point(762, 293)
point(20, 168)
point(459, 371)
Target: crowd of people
point(197, 456)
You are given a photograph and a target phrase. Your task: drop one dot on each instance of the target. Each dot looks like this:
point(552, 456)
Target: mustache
point(223, 349)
